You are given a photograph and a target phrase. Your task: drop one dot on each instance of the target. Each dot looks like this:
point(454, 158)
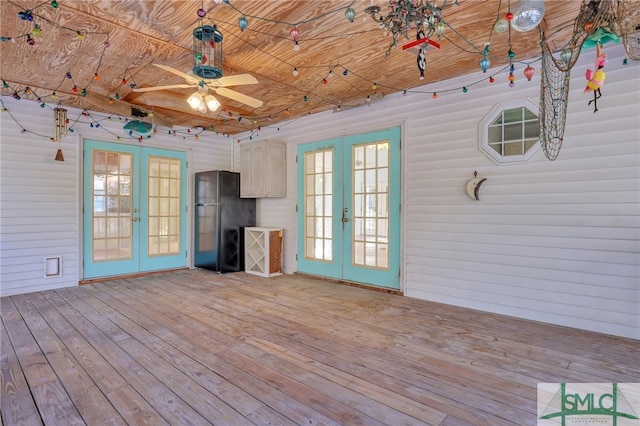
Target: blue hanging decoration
point(139, 127)
point(350, 14)
point(422, 55)
point(243, 23)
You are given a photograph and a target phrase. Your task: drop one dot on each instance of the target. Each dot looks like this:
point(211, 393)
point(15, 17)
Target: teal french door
point(134, 209)
point(349, 208)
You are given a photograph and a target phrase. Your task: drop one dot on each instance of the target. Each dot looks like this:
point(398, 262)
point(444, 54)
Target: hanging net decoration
point(556, 73)
point(626, 23)
point(207, 52)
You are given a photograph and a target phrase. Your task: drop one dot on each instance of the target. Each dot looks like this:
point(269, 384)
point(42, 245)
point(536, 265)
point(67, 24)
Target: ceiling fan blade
point(120, 107)
point(108, 104)
point(189, 78)
point(232, 80)
point(171, 86)
point(237, 96)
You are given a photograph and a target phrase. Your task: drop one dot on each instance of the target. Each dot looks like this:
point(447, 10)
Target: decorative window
point(510, 132)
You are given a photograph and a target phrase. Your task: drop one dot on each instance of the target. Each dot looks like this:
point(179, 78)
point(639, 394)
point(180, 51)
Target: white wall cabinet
point(262, 169)
point(263, 251)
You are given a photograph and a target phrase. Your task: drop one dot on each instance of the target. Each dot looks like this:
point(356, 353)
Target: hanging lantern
point(295, 33)
point(243, 23)
point(207, 52)
point(439, 28)
point(529, 71)
point(350, 14)
point(485, 63)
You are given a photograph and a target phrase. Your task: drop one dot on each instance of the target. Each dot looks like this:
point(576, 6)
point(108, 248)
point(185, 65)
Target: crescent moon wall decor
point(473, 186)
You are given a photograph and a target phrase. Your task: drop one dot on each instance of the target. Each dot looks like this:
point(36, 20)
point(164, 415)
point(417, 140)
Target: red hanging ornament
point(509, 16)
point(529, 71)
point(295, 33)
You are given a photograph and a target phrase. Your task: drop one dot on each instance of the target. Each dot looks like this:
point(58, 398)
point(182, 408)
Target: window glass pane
point(513, 115)
point(513, 132)
point(497, 121)
point(514, 148)
point(495, 134)
point(528, 115)
point(531, 130)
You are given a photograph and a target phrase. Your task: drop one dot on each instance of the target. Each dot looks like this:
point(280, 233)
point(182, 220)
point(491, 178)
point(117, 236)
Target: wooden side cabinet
point(263, 169)
point(263, 251)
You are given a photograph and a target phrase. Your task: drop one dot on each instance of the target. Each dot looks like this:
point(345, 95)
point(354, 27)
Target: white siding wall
point(553, 241)
point(40, 197)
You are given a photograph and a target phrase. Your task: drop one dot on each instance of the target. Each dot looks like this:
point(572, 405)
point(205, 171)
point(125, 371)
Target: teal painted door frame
point(341, 230)
point(137, 215)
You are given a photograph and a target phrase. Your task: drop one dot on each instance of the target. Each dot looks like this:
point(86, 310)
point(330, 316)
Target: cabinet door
point(257, 170)
point(275, 164)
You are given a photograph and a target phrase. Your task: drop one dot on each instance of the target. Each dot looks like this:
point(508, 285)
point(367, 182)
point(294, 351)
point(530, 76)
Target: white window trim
point(483, 143)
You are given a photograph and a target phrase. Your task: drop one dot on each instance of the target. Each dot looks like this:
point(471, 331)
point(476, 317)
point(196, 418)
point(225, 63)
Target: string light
point(295, 72)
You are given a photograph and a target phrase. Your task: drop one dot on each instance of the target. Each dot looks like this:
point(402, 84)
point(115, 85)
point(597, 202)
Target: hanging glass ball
point(350, 14)
point(439, 28)
point(295, 33)
point(501, 26)
point(527, 14)
point(566, 55)
point(485, 63)
point(242, 23)
point(529, 71)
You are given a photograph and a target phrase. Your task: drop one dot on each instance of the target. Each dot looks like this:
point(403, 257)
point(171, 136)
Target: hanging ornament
point(243, 23)
point(37, 32)
point(501, 26)
point(595, 78)
point(485, 63)
point(201, 13)
point(350, 14)
point(30, 41)
point(439, 28)
point(529, 71)
point(566, 56)
point(26, 15)
point(295, 33)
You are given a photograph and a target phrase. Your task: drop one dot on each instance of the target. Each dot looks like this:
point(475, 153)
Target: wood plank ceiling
point(143, 33)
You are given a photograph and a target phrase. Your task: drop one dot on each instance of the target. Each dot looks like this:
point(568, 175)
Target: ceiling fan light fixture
point(195, 100)
point(212, 103)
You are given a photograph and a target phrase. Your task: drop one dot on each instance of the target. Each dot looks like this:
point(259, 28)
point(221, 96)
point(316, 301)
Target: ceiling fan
point(218, 85)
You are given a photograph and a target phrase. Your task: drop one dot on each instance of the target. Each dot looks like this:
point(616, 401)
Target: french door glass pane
point(111, 214)
point(370, 192)
point(164, 206)
point(318, 195)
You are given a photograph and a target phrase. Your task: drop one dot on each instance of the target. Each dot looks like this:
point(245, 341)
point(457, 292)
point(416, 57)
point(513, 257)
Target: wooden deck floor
point(193, 347)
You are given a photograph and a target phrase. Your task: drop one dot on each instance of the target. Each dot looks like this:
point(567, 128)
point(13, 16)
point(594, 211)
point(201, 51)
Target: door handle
point(135, 219)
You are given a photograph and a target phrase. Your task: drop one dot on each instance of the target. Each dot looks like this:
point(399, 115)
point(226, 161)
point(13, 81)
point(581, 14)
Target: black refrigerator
point(220, 218)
